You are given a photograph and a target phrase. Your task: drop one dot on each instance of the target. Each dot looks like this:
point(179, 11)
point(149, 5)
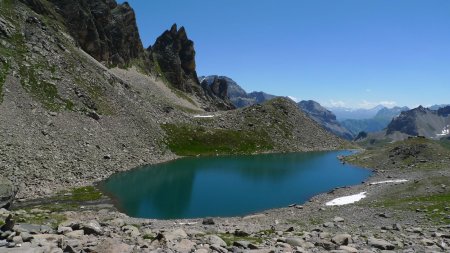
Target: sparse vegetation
point(4, 70)
point(88, 193)
point(229, 239)
point(188, 140)
point(51, 219)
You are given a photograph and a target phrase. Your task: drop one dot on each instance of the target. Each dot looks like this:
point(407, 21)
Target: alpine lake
point(228, 185)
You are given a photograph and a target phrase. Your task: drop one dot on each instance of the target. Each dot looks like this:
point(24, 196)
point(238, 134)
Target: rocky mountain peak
point(421, 121)
point(315, 108)
point(324, 117)
point(174, 54)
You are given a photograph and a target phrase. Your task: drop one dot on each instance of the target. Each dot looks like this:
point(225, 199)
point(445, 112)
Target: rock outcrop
point(325, 118)
point(104, 29)
point(7, 193)
point(218, 88)
point(237, 95)
point(173, 58)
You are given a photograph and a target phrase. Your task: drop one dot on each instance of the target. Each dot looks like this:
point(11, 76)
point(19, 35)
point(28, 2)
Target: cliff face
point(173, 57)
point(105, 30)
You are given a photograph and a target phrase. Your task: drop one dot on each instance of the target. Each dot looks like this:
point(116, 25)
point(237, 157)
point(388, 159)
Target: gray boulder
point(380, 244)
point(7, 193)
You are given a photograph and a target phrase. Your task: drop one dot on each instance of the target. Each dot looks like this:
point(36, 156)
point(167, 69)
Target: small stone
point(92, 228)
point(26, 237)
point(338, 219)
point(294, 241)
point(380, 244)
point(342, 239)
point(77, 234)
point(427, 242)
point(417, 230)
point(397, 227)
point(218, 249)
point(241, 233)
point(328, 224)
point(241, 244)
point(385, 215)
point(117, 222)
point(215, 240)
point(17, 239)
point(184, 246)
point(348, 249)
point(175, 235)
point(325, 235)
point(208, 221)
point(64, 230)
point(131, 231)
point(325, 244)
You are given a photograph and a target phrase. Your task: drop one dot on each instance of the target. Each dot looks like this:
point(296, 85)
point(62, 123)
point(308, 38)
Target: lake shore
point(371, 225)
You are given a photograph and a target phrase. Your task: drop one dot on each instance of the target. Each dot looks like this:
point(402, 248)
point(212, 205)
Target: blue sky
point(348, 52)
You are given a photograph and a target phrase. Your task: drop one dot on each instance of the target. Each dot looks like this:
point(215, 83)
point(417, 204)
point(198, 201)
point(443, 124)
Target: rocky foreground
point(411, 214)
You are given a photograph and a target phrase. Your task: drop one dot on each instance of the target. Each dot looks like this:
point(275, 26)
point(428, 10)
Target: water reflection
point(231, 185)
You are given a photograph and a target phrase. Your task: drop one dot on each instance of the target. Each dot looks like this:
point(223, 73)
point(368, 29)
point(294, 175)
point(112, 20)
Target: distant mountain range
point(377, 123)
point(436, 107)
point(348, 123)
point(343, 113)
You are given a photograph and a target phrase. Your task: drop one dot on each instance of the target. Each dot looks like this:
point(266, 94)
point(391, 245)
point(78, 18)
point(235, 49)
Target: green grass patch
point(267, 232)
point(51, 219)
point(433, 205)
point(4, 70)
point(88, 193)
point(149, 237)
point(445, 143)
point(2, 222)
point(31, 81)
point(229, 239)
point(412, 154)
point(189, 140)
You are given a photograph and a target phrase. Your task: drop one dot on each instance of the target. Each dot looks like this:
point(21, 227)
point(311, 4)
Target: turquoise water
point(228, 185)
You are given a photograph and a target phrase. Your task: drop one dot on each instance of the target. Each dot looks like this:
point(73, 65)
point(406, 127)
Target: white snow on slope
point(346, 200)
point(389, 181)
point(445, 131)
point(203, 116)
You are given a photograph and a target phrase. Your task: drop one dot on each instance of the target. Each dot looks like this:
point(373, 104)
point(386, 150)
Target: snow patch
point(445, 131)
point(346, 200)
point(203, 116)
point(389, 181)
